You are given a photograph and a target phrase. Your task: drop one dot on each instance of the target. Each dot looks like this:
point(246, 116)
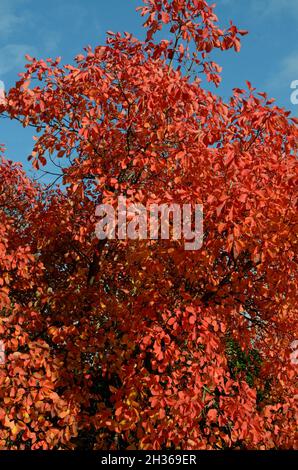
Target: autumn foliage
point(140, 344)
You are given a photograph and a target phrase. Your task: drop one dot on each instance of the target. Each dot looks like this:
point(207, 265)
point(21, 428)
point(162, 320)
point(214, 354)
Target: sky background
point(268, 58)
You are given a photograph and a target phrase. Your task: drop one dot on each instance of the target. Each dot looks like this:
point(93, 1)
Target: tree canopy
point(139, 344)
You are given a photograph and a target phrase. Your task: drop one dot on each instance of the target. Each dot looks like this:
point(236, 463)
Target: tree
point(141, 344)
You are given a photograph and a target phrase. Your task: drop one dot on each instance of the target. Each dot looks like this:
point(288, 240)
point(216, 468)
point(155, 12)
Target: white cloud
point(288, 71)
point(10, 16)
point(276, 6)
point(12, 56)
point(16, 16)
point(290, 65)
point(8, 22)
point(51, 40)
point(268, 7)
point(13, 15)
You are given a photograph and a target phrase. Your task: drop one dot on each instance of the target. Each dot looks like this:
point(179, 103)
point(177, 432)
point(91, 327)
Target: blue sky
point(268, 59)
